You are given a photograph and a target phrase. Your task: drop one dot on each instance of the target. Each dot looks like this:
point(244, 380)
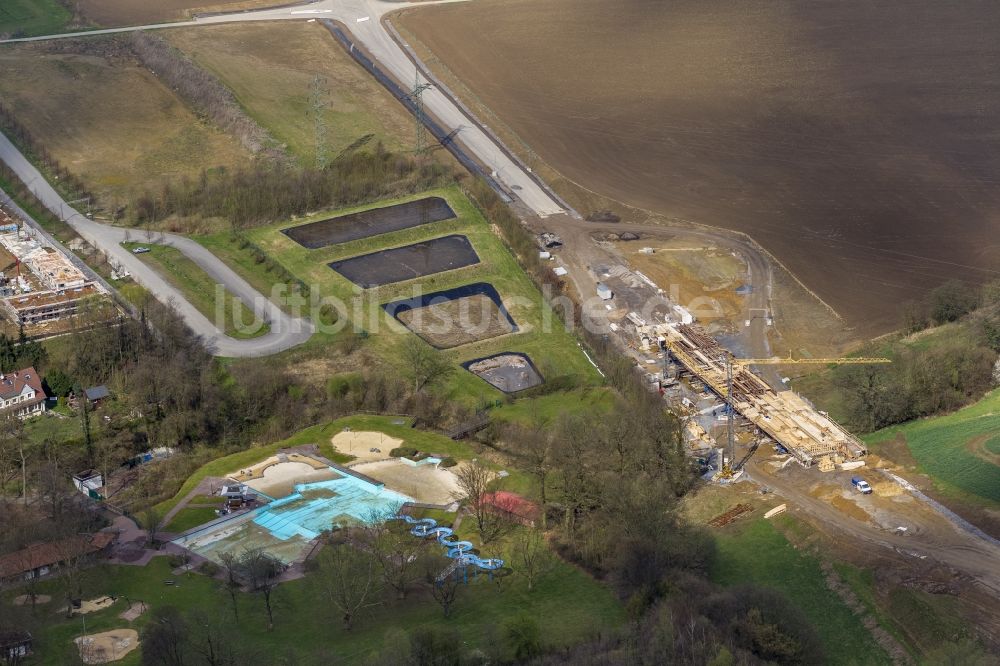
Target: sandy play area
point(107, 646)
point(279, 478)
point(25, 599)
point(359, 443)
point(91, 605)
point(424, 483)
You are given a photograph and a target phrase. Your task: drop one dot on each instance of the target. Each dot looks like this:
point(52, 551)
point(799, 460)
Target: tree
point(531, 556)
point(534, 448)
point(523, 636)
point(474, 482)
point(952, 300)
point(151, 521)
point(397, 552)
point(231, 564)
point(58, 383)
point(349, 579)
point(164, 638)
point(262, 570)
point(212, 640)
point(442, 581)
point(425, 366)
point(85, 422)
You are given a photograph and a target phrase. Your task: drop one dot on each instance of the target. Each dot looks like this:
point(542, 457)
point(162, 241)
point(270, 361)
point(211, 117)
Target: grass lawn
point(757, 552)
point(567, 603)
point(547, 408)
point(110, 120)
point(188, 518)
point(33, 17)
point(53, 428)
point(202, 291)
point(955, 449)
point(272, 74)
point(542, 336)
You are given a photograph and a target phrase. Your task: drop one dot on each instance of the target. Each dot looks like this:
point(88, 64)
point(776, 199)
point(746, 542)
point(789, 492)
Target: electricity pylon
point(318, 103)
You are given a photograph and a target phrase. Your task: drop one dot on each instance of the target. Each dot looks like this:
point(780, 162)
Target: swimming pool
point(285, 527)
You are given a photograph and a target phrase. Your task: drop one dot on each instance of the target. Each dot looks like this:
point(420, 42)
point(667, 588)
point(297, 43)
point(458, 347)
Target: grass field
point(757, 552)
point(271, 70)
point(541, 335)
point(189, 517)
point(571, 604)
point(32, 17)
point(956, 450)
point(109, 120)
point(201, 290)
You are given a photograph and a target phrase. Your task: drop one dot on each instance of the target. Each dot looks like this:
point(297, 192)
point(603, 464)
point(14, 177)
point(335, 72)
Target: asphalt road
point(285, 331)
point(363, 18)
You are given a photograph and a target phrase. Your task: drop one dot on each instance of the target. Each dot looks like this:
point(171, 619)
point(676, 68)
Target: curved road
point(286, 331)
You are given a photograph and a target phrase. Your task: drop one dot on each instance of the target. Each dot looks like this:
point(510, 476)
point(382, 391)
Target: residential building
point(41, 559)
point(21, 393)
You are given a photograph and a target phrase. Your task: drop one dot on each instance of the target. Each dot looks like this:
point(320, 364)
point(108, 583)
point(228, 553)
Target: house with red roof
point(21, 393)
point(514, 506)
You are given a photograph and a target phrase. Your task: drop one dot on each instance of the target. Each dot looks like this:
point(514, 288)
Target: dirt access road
point(580, 253)
point(933, 550)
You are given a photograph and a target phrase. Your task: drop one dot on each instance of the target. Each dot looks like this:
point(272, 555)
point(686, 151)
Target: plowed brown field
point(857, 141)
point(137, 12)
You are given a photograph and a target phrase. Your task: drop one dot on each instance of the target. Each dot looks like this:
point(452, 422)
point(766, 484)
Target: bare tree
point(534, 448)
point(398, 553)
point(424, 364)
point(531, 555)
point(211, 639)
point(231, 565)
point(349, 578)
point(151, 519)
point(443, 581)
point(262, 571)
point(474, 481)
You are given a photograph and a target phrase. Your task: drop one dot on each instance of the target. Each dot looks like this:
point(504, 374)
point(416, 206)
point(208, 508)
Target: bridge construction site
point(808, 434)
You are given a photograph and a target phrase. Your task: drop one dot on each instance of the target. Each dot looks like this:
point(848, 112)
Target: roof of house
point(13, 637)
point(86, 474)
point(97, 392)
point(512, 503)
point(53, 552)
point(12, 384)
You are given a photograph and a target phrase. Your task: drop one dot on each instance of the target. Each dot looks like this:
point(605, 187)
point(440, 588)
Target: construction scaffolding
point(39, 283)
point(805, 432)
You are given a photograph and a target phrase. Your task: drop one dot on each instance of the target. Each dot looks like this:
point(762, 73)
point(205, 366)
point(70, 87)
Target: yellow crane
point(777, 360)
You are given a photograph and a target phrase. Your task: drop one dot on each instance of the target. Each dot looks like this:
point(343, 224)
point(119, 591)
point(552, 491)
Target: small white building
point(604, 291)
point(88, 482)
point(683, 315)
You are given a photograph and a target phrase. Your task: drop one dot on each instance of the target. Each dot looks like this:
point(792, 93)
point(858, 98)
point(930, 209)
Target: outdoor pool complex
point(285, 527)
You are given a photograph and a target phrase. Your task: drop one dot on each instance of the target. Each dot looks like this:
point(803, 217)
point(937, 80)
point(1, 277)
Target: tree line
point(260, 193)
point(947, 371)
point(208, 96)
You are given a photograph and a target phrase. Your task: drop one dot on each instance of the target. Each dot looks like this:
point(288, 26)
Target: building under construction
point(808, 434)
point(39, 283)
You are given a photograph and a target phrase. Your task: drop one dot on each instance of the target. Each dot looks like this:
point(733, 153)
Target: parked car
point(140, 250)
